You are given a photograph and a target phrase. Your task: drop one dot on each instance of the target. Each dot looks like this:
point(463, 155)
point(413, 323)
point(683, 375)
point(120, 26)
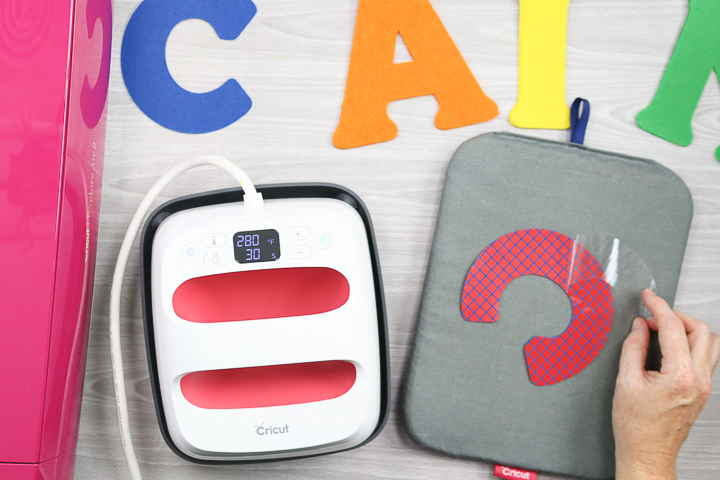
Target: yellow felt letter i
point(541, 83)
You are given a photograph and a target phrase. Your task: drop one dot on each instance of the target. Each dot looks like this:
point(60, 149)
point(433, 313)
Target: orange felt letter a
point(374, 80)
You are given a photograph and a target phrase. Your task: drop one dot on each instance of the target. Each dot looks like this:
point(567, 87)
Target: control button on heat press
point(190, 251)
point(297, 233)
point(323, 240)
point(298, 252)
point(215, 259)
point(213, 240)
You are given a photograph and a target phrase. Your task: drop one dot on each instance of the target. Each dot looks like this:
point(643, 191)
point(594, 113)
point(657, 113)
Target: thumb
point(634, 352)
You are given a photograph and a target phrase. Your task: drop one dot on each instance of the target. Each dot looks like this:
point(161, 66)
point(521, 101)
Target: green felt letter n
point(696, 55)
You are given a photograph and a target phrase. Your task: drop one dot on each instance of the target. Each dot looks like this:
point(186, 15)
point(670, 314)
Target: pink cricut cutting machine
point(54, 69)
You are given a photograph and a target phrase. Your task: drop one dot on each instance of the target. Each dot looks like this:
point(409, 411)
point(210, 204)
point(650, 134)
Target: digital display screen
point(256, 246)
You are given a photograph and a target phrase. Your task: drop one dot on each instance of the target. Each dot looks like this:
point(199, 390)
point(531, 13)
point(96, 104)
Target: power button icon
point(190, 251)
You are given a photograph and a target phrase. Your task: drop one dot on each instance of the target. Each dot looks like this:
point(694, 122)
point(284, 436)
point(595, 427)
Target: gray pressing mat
point(469, 392)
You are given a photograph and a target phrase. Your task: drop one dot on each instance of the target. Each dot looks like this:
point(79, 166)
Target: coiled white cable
point(252, 200)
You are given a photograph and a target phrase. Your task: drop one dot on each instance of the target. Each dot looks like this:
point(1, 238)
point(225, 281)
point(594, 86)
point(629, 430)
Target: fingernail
point(636, 323)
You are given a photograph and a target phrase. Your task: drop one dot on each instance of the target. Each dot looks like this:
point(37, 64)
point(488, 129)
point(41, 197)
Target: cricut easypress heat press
point(265, 329)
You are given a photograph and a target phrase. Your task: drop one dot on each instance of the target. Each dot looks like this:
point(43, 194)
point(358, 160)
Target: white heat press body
point(265, 330)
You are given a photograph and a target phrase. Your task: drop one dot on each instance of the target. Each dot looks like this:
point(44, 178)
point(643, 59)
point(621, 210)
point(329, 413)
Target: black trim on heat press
point(270, 192)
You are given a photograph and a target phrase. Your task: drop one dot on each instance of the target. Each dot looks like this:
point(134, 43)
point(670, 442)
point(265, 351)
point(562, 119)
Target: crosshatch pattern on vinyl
point(571, 266)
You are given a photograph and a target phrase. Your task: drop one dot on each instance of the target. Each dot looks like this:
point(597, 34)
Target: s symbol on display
point(571, 266)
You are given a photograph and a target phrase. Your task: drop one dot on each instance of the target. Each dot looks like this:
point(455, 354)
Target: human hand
point(653, 411)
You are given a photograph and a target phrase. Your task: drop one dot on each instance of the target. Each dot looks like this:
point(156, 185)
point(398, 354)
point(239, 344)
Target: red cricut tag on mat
point(501, 471)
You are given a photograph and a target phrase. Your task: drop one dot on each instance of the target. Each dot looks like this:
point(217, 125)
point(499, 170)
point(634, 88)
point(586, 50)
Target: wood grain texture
point(292, 60)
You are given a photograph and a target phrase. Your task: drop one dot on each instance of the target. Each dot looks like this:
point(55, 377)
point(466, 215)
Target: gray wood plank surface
point(292, 59)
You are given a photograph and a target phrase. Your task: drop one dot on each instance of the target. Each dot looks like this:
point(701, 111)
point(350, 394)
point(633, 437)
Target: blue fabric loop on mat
point(579, 122)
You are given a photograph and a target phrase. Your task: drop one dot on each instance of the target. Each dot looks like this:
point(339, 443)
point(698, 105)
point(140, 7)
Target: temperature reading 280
point(256, 246)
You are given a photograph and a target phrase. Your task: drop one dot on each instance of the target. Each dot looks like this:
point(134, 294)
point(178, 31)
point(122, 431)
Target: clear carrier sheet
point(540, 254)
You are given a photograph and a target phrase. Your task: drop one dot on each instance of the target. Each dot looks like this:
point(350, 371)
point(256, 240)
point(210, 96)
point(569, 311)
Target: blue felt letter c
point(148, 79)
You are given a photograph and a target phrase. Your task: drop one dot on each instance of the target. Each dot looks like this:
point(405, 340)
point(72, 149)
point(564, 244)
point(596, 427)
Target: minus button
point(298, 252)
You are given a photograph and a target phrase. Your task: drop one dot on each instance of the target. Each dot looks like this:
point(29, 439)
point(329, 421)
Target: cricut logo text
point(516, 474)
point(508, 473)
point(263, 430)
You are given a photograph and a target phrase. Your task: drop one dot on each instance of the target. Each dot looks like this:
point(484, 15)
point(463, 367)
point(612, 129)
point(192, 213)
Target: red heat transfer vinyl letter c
point(567, 263)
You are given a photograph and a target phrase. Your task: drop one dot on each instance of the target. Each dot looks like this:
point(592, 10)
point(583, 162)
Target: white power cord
point(252, 200)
